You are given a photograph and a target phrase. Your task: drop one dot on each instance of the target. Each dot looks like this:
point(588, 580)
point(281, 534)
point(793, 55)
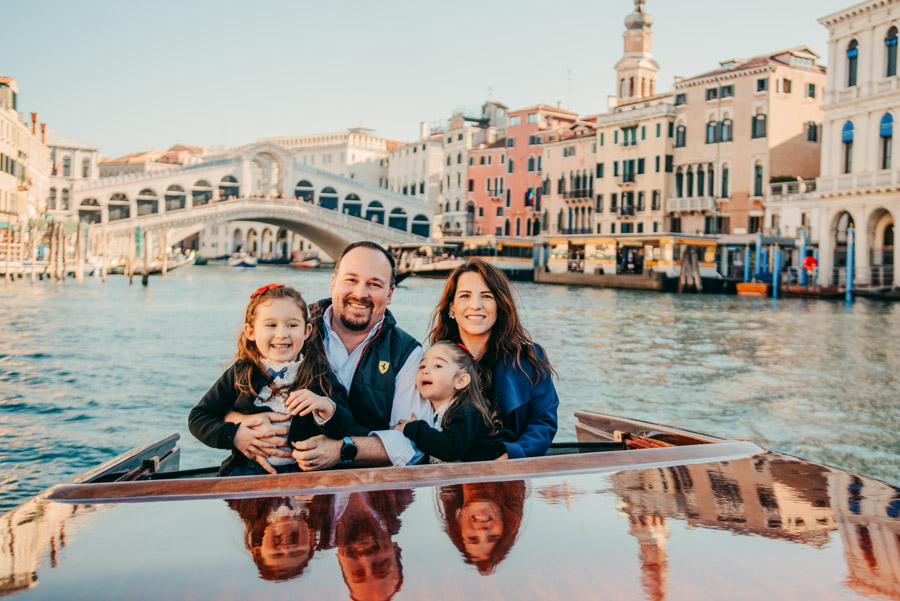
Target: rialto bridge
point(260, 183)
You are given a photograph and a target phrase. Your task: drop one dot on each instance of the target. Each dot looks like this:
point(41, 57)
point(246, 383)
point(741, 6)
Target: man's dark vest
point(371, 393)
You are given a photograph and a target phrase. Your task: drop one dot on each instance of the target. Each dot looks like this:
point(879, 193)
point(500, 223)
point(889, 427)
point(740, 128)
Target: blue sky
point(127, 76)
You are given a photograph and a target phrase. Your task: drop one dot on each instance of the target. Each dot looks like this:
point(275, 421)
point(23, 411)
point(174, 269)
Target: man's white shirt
point(407, 401)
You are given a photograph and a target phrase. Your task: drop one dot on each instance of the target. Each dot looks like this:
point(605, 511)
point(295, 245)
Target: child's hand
point(402, 423)
point(301, 402)
point(254, 447)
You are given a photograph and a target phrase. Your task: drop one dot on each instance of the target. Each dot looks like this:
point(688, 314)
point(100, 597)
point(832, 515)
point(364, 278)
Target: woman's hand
point(302, 402)
point(400, 425)
point(263, 427)
point(502, 457)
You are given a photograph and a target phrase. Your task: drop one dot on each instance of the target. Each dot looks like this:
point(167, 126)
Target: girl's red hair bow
point(264, 288)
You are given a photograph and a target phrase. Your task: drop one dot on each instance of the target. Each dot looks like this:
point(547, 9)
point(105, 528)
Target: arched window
point(679, 184)
point(758, 127)
point(304, 191)
point(352, 206)
point(852, 59)
point(228, 186)
point(89, 210)
point(701, 181)
point(531, 163)
point(459, 158)
point(712, 181)
point(64, 199)
point(421, 226)
point(201, 192)
point(328, 199)
point(509, 165)
point(51, 202)
point(886, 132)
point(85, 167)
point(890, 43)
point(812, 131)
point(147, 202)
point(726, 130)
point(712, 131)
point(175, 198)
point(397, 219)
point(118, 207)
point(758, 179)
point(506, 227)
point(725, 181)
point(690, 183)
point(67, 166)
point(847, 140)
point(375, 212)
point(680, 135)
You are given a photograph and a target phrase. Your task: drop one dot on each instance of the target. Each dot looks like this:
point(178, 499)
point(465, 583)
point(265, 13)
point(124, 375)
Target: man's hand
point(317, 453)
point(254, 447)
point(301, 402)
point(264, 427)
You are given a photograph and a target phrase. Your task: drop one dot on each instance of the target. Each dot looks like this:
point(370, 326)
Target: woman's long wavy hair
point(314, 368)
point(471, 394)
point(508, 342)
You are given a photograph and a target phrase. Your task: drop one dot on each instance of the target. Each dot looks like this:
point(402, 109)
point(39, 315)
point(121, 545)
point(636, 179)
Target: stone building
point(24, 159)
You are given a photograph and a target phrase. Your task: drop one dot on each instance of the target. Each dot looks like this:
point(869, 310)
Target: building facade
point(24, 159)
point(859, 185)
point(72, 161)
point(737, 128)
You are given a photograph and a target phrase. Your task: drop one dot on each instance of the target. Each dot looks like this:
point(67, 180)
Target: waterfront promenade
point(88, 371)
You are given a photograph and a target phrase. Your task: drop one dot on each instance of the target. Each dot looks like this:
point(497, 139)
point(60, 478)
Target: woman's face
point(481, 527)
point(475, 307)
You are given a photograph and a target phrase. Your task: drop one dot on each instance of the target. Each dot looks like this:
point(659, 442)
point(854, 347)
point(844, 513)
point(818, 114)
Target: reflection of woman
point(278, 533)
point(483, 519)
point(477, 309)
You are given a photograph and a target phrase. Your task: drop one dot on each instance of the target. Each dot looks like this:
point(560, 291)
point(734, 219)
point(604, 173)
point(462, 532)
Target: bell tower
point(636, 71)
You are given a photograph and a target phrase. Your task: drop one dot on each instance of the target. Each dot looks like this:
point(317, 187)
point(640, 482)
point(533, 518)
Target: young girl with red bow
point(279, 367)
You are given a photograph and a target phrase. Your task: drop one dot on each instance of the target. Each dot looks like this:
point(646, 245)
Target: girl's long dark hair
point(509, 342)
point(471, 394)
point(313, 369)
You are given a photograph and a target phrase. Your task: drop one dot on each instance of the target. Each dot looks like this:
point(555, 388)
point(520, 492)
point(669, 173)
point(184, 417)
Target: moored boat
point(242, 259)
point(633, 509)
point(306, 259)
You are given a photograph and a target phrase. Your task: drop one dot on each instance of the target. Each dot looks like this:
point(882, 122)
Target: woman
point(477, 310)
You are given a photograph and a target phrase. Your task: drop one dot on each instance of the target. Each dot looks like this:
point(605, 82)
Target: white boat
point(242, 259)
point(305, 259)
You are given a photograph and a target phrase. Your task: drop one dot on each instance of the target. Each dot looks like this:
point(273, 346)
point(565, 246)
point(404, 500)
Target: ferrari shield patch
point(383, 366)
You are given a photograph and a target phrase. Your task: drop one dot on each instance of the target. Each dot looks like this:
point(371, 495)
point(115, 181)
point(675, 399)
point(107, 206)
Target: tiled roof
point(54, 139)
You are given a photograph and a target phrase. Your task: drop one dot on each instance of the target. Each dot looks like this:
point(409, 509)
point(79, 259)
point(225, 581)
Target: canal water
point(88, 371)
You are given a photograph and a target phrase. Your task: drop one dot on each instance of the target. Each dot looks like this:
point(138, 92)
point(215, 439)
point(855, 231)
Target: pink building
point(487, 187)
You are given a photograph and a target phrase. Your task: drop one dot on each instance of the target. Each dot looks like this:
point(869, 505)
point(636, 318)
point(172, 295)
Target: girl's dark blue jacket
point(528, 403)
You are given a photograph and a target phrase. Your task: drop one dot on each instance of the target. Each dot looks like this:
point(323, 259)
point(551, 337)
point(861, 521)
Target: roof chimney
point(34, 118)
point(423, 130)
point(559, 104)
point(43, 133)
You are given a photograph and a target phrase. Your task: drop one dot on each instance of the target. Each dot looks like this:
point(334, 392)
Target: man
point(374, 360)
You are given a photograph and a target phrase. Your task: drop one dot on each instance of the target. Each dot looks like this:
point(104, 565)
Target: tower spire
point(636, 71)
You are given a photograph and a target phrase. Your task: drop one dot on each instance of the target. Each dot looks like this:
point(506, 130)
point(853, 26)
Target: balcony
point(856, 183)
point(626, 180)
point(792, 191)
point(580, 194)
point(697, 203)
point(625, 211)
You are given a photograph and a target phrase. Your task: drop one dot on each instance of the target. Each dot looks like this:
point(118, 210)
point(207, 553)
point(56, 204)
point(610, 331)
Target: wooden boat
point(628, 510)
point(242, 259)
point(155, 267)
point(812, 291)
point(425, 260)
point(305, 260)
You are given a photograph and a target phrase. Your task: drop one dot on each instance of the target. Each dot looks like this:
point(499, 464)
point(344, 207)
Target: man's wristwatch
point(348, 450)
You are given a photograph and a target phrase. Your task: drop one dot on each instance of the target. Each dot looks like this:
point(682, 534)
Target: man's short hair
point(371, 246)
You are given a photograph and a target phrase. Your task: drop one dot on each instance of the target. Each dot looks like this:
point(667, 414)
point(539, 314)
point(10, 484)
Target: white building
point(859, 185)
point(24, 159)
point(415, 169)
point(72, 161)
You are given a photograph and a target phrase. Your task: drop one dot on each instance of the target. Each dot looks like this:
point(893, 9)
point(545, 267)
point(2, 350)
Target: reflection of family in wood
point(283, 533)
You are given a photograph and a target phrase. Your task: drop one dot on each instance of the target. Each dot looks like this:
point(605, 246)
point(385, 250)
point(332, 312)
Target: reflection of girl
point(482, 520)
point(278, 534)
point(477, 309)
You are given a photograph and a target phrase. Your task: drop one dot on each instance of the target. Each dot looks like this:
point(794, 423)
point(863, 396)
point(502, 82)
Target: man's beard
point(352, 325)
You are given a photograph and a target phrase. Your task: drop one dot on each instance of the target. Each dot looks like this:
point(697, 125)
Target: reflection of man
point(375, 361)
point(361, 526)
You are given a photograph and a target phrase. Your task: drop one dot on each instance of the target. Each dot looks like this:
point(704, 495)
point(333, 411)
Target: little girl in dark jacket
point(280, 367)
point(466, 426)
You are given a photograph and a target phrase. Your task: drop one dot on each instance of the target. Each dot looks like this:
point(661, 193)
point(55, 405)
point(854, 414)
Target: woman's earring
point(451, 314)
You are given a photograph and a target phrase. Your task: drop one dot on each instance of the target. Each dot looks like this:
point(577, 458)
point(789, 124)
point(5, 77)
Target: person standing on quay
point(373, 358)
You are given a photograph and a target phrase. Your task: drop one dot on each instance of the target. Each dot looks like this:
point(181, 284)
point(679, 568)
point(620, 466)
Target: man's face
point(361, 289)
